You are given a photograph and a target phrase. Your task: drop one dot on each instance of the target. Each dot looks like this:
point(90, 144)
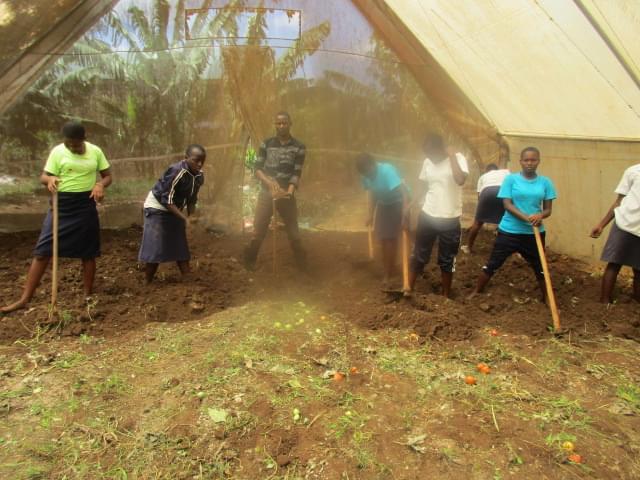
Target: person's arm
point(98, 189)
point(513, 210)
point(50, 181)
point(459, 175)
point(298, 163)
point(193, 199)
point(597, 230)
point(168, 185)
point(536, 218)
point(176, 211)
point(49, 178)
point(265, 179)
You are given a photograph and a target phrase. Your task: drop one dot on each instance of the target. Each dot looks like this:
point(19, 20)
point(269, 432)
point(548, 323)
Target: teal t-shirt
point(385, 184)
point(527, 196)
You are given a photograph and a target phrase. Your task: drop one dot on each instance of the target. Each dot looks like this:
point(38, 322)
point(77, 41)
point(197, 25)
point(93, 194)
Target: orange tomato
point(493, 332)
point(470, 380)
point(338, 377)
point(483, 368)
point(575, 458)
point(353, 370)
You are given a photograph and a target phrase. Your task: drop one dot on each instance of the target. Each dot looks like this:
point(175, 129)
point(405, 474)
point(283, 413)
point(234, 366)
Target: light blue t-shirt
point(385, 185)
point(527, 196)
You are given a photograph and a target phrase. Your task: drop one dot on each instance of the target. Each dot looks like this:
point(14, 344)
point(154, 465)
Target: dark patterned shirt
point(282, 162)
point(178, 186)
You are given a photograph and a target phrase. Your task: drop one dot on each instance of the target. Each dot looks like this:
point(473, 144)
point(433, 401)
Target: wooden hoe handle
point(54, 263)
point(405, 260)
point(547, 280)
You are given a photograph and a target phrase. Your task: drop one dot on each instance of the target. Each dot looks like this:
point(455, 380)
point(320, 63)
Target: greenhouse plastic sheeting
point(150, 77)
point(534, 67)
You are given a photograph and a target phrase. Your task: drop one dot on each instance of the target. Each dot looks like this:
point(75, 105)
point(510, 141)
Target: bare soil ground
point(223, 375)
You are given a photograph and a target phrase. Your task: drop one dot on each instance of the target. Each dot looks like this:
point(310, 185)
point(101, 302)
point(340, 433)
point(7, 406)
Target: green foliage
point(250, 158)
point(631, 394)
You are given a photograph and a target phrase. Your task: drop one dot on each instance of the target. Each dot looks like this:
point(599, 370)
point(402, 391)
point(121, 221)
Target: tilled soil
point(340, 278)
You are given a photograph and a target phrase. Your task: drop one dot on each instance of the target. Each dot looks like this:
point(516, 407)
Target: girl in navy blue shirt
point(164, 238)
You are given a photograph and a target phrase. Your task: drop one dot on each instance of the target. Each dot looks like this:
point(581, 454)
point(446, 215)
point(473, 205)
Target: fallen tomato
point(470, 380)
point(338, 376)
point(353, 370)
point(568, 446)
point(575, 458)
point(493, 332)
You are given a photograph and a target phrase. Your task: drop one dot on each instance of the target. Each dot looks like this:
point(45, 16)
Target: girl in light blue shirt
point(389, 200)
point(527, 199)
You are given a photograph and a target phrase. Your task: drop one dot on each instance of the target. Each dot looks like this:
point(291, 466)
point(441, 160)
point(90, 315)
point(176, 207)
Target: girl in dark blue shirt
point(164, 238)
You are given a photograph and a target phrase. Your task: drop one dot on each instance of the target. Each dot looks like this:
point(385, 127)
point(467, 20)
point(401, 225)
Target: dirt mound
point(340, 278)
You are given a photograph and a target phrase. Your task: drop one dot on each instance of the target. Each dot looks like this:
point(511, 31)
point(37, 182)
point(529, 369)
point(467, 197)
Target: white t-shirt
point(493, 178)
point(152, 202)
point(628, 213)
point(444, 195)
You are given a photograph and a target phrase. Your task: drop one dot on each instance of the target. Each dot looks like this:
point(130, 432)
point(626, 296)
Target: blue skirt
point(164, 238)
point(490, 208)
point(622, 248)
point(78, 228)
point(388, 222)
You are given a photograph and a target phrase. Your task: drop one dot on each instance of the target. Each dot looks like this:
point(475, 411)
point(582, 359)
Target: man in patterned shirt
point(278, 167)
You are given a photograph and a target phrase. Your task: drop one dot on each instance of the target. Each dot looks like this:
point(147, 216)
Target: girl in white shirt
point(490, 208)
point(623, 244)
point(443, 172)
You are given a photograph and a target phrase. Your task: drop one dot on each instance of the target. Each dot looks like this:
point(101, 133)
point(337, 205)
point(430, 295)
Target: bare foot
point(14, 306)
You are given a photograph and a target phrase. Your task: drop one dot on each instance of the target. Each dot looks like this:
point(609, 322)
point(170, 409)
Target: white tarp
point(535, 67)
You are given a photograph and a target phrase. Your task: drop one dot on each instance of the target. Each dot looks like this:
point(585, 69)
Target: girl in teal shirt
point(527, 199)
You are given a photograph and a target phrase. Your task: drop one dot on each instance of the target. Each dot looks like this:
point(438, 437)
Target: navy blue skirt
point(388, 222)
point(164, 238)
point(78, 228)
point(490, 208)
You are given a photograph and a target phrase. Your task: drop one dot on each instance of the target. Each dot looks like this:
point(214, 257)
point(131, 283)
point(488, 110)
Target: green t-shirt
point(77, 173)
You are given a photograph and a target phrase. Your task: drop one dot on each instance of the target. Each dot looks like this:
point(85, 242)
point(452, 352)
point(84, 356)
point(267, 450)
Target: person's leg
point(481, 283)
point(636, 284)
point(34, 275)
point(288, 210)
point(528, 249)
point(389, 257)
point(261, 221)
point(150, 270)
point(503, 247)
point(609, 281)
point(425, 238)
point(184, 267)
point(473, 234)
point(88, 274)
point(448, 246)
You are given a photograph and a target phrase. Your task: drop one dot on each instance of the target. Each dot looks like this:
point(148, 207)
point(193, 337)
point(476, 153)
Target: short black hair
point(529, 149)
point(191, 147)
point(491, 166)
point(74, 130)
point(283, 113)
point(363, 161)
point(434, 140)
